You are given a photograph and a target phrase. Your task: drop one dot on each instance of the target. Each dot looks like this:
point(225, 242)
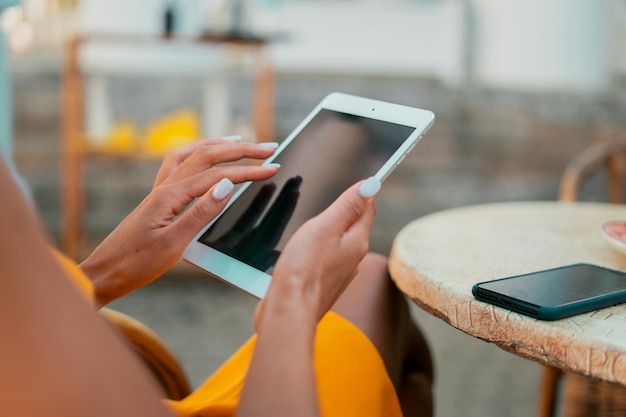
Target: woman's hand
point(322, 257)
point(152, 238)
point(316, 266)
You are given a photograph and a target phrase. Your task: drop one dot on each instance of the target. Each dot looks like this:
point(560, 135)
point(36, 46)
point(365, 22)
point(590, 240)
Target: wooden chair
point(152, 351)
point(608, 155)
point(584, 396)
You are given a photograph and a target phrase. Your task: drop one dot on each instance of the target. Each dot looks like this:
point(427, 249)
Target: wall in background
point(486, 144)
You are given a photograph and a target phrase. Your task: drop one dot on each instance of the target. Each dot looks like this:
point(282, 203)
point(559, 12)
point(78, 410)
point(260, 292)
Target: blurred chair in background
point(153, 353)
point(584, 396)
point(610, 156)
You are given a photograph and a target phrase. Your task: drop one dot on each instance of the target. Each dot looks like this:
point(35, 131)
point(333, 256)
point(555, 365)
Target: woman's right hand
point(191, 188)
point(317, 264)
point(321, 258)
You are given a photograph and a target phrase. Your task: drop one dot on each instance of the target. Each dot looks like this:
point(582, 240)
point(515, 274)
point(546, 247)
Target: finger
point(207, 157)
point(204, 210)
point(357, 235)
point(243, 173)
point(197, 185)
point(352, 204)
point(230, 152)
point(175, 157)
point(183, 152)
point(360, 230)
point(200, 185)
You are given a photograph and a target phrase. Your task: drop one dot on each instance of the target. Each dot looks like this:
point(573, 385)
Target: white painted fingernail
point(271, 145)
point(234, 138)
point(273, 165)
point(222, 189)
point(370, 187)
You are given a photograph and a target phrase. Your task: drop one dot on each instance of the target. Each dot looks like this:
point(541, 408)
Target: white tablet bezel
point(256, 282)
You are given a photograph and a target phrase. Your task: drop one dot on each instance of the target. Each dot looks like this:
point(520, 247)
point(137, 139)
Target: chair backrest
point(608, 156)
point(153, 352)
point(583, 396)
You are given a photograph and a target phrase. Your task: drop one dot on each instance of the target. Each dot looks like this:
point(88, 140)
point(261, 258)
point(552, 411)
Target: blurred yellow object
point(120, 140)
point(171, 131)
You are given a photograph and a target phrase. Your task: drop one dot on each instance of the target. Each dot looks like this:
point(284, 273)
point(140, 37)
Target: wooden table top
point(436, 259)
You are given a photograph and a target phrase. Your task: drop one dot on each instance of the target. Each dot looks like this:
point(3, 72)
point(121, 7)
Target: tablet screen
point(334, 151)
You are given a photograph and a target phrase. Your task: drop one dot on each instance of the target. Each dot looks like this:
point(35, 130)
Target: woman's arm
point(57, 357)
point(316, 266)
point(184, 199)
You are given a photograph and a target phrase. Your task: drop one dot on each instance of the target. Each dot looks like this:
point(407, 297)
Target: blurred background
point(102, 88)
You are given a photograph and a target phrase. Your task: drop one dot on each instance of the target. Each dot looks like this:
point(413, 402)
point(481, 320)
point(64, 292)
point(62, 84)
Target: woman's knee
point(373, 304)
point(367, 290)
point(373, 270)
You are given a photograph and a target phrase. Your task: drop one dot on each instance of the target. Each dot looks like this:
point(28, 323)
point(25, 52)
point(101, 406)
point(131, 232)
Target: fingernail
point(370, 187)
point(234, 138)
point(271, 145)
point(273, 165)
point(222, 189)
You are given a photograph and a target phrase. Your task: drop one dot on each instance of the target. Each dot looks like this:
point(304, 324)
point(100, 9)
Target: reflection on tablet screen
point(332, 152)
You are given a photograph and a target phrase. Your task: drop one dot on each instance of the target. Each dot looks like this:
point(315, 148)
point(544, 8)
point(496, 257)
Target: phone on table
point(343, 140)
point(556, 293)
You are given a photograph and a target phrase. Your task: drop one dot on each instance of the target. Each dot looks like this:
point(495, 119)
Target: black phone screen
point(560, 286)
point(332, 152)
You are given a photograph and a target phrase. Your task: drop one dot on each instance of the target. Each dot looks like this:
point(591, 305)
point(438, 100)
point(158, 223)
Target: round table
point(436, 259)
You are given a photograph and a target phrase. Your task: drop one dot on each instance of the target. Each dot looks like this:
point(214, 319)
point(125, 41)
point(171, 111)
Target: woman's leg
point(374, 304)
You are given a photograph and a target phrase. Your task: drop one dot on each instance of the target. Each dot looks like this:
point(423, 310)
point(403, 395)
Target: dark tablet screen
point(332, 152)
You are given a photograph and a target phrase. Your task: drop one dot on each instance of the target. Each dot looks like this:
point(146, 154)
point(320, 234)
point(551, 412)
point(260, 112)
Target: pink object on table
point(615, 233)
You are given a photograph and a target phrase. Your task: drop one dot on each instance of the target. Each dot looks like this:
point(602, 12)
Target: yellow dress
point(351, 376)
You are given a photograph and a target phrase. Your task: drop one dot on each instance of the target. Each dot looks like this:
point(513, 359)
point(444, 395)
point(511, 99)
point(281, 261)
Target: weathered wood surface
point(436, 259)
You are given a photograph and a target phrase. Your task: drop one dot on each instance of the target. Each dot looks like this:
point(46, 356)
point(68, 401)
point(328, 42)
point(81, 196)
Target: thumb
point(206, 208)
point(351, 205)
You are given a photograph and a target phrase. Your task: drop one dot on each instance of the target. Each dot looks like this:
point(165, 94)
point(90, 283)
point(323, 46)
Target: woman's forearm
point(316, 265)
point(281, 378)
point(58, 357)
point(107, 276)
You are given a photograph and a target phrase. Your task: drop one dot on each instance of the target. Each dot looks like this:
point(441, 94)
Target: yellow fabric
point(351, 376)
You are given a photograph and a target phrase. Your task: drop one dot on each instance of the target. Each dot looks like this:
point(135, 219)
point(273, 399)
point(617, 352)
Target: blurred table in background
point(87, 116)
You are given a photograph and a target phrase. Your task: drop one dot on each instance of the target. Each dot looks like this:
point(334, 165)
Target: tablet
point(556, 293)
point(343, 140)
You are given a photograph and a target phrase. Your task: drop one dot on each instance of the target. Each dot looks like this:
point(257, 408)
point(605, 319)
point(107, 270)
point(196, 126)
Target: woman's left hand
point(152, 238)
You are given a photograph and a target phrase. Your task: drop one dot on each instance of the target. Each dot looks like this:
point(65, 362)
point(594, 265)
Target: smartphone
point(556, 293)
point(344, 139)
